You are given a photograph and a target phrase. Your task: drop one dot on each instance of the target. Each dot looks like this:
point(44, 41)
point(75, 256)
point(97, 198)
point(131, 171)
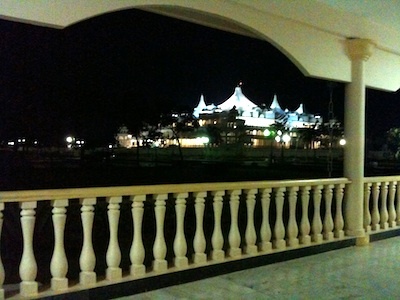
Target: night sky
point(130, 66)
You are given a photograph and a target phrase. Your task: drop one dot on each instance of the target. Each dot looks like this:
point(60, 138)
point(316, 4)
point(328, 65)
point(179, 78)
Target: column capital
point(359, 48)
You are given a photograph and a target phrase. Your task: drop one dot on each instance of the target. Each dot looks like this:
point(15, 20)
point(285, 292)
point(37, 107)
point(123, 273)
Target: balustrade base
point(385, 225)
point(317, 238)
point(58, 284)
point(375, 227)
point(340, 234)
point(362, 241)
point(234, 252)
point(251, 249)
point(113, 273)
point(160, 265)
point(279, 244)
point(305, 240)
point(200, 258)
point(2, 296)
point(28, 288)
point(292, 242)
point(329, 236)
point(218, 255)
point(265, 246)
point(87, 278)
point(138, 270)
point(181, 262)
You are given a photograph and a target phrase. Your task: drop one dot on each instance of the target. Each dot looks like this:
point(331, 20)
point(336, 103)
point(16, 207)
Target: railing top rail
point(73, 193)
point(382, 179)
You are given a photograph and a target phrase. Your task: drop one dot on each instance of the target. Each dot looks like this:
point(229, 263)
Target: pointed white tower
point(275, 104)
point(199, 108)
point(300, 110)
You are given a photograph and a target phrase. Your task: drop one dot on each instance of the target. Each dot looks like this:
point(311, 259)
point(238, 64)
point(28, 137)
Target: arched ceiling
point(311, 33)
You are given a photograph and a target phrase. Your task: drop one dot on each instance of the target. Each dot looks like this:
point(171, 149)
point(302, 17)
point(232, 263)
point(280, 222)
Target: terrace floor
point(369, 272)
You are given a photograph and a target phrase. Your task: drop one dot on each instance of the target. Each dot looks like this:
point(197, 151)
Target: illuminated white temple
point(256, 116)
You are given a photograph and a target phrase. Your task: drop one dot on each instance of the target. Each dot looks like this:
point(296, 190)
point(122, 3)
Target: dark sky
point(129, 66)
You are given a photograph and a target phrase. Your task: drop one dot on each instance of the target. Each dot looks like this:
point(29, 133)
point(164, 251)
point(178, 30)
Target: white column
point(59, 263)
point(199, 241)
point(316, 220)
point(339, 222)
point(180, 245)
point(87, 259)
point(293, 229)
point(265, 230)
point(328, 219)
point(358, 50)
point(305, 226)
point(137, 252)
point(28, 266)
point(217, 239)
point(250, 234)
point(392, 210)
point(113, 255)
point(160, 247)
point(279, 228)
point(2, 273)
point(234, 234)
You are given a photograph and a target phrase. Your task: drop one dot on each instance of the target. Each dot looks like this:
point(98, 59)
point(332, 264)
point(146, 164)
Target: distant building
point(236, 120)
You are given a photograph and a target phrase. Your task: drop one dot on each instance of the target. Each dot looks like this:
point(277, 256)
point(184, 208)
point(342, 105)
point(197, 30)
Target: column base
point(356, 233)
point(292, 242)
point(363, 240)
point(339, 234)
point(265, 246)
point(138, 270)
point(218, 255)
point(251, 249)
point(279, 244)
point(317, 238)
point(113, 273)
point(328, 236)
point(199, 258)
point(385, 225)
point(58, 284)
point(87, 278)
point(181, 262)
point(234, 252)
point(28, 288)
point(160, 265)
point(305, 240)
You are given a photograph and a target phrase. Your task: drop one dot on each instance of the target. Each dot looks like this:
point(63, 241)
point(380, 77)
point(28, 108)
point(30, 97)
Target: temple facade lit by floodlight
point(237, 120)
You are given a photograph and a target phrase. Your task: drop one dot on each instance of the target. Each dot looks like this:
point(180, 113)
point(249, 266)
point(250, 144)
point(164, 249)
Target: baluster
point(305, 227)
point(398, 203)
point(339, 221)
point(392, 210)
point(199, 242)
point(2, 273)
point(384, 212)
point(367, 213)
point(265, 230)
point(217, 239)
point(317, 222)
point(87, 259)
point(279, 228)
point(59, 263)
point(293, 229)
point(328, 220)
point(113, 255)
point(28, 266)
point(137, 252)
point(375, 211)
point(250, 235)
point(180, 245)
point(160, 247)
point(234, 234)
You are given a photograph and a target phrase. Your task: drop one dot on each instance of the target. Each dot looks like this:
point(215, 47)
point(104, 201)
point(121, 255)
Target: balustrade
point(272, 234)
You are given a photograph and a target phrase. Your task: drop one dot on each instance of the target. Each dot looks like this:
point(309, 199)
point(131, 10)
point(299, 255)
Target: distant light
point(35, 142)
point(19, 140)
point(69, 139)
point(286, 138)
point(10, 143)
point(342, 142)
point(277, 138)
point(78, 142)
point(267, 132)
point(110, 146)
point(279, 132)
